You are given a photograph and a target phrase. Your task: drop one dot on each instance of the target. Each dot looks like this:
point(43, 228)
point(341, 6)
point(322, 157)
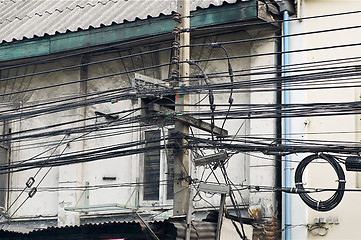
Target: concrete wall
point(242, 168)
point(335, 128)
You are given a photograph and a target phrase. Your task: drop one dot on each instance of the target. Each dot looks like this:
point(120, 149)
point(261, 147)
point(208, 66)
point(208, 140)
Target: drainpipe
point(278, 158)
point(286, 8)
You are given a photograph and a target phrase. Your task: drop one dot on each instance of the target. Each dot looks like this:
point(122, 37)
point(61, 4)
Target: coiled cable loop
point(335, 199)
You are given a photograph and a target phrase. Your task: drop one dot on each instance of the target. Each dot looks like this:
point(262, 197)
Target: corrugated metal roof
point(167, 229)
point(21, 19)
point(4, 234)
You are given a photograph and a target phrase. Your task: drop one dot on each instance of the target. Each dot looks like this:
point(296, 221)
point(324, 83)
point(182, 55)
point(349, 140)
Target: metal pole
point(181, 163)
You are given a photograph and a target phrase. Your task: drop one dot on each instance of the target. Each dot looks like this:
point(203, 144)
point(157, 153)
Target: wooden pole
point(220, 216)
point(189, 214)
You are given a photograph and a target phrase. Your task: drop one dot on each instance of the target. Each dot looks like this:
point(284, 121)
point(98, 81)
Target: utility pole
point(181, 163)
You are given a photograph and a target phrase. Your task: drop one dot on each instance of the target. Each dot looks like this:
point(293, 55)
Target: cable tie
point(318, 205)
point(32, 192)
point(340, 180)
point(30, 182)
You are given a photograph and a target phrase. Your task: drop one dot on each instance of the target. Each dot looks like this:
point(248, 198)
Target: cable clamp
point(186, 30)
point(289, 168)
point(215, 45)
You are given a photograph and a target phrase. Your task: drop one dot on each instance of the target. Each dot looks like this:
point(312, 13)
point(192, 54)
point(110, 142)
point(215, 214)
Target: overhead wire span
point(276, 21)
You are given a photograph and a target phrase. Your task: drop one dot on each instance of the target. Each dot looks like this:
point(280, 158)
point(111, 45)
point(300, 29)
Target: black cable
point(274, 37)
point(210, 95)
point(335, 199)
point(85, 64)
point(230, 73)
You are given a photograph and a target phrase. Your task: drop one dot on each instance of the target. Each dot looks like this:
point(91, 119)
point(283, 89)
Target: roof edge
point(127, 31)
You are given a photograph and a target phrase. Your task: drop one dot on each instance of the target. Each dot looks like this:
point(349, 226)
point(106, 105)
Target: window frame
point(163, 171)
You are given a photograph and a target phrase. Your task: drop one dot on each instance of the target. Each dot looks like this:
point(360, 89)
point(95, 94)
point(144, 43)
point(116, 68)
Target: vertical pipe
point(286, 122)
point(279, 171)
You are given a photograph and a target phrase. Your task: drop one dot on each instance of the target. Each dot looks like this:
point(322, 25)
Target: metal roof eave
point(36, 47)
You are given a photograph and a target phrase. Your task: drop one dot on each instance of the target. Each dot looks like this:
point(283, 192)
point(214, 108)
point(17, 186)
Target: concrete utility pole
point(181, 163)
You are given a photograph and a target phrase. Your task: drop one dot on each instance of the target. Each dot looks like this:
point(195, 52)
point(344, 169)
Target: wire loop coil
point(335, 199)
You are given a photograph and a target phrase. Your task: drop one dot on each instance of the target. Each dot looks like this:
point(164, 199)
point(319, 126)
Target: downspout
point(286, 8)
point(278, 164)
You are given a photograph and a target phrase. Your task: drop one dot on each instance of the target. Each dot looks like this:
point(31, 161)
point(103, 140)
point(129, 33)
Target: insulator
point(175, 60)
point(175, 45)
point(175, 74)
point(177, 17)
point(176, 30)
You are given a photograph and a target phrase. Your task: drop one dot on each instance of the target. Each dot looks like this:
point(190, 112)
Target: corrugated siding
point(21, 19)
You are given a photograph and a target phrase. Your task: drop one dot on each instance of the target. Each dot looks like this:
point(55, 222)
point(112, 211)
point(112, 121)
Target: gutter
point(127, 31)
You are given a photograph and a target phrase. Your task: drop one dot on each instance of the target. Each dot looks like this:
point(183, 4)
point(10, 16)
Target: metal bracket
point(141, 82)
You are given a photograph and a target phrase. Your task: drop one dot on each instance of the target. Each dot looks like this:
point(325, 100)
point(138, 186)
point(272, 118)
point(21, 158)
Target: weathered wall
point(242, 168)
point(333, 128)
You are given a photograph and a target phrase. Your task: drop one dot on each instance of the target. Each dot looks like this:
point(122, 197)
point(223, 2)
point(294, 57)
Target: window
point(158, 168)
point(152, 166)
point(158, 162)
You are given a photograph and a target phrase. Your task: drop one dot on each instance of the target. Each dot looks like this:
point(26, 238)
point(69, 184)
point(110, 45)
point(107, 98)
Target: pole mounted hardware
point(214, 188)
point(217, 157)
point(141, 82)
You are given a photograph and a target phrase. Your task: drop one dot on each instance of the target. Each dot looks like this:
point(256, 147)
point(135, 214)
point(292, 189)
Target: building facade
point(80, 141)
point(327, 33)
